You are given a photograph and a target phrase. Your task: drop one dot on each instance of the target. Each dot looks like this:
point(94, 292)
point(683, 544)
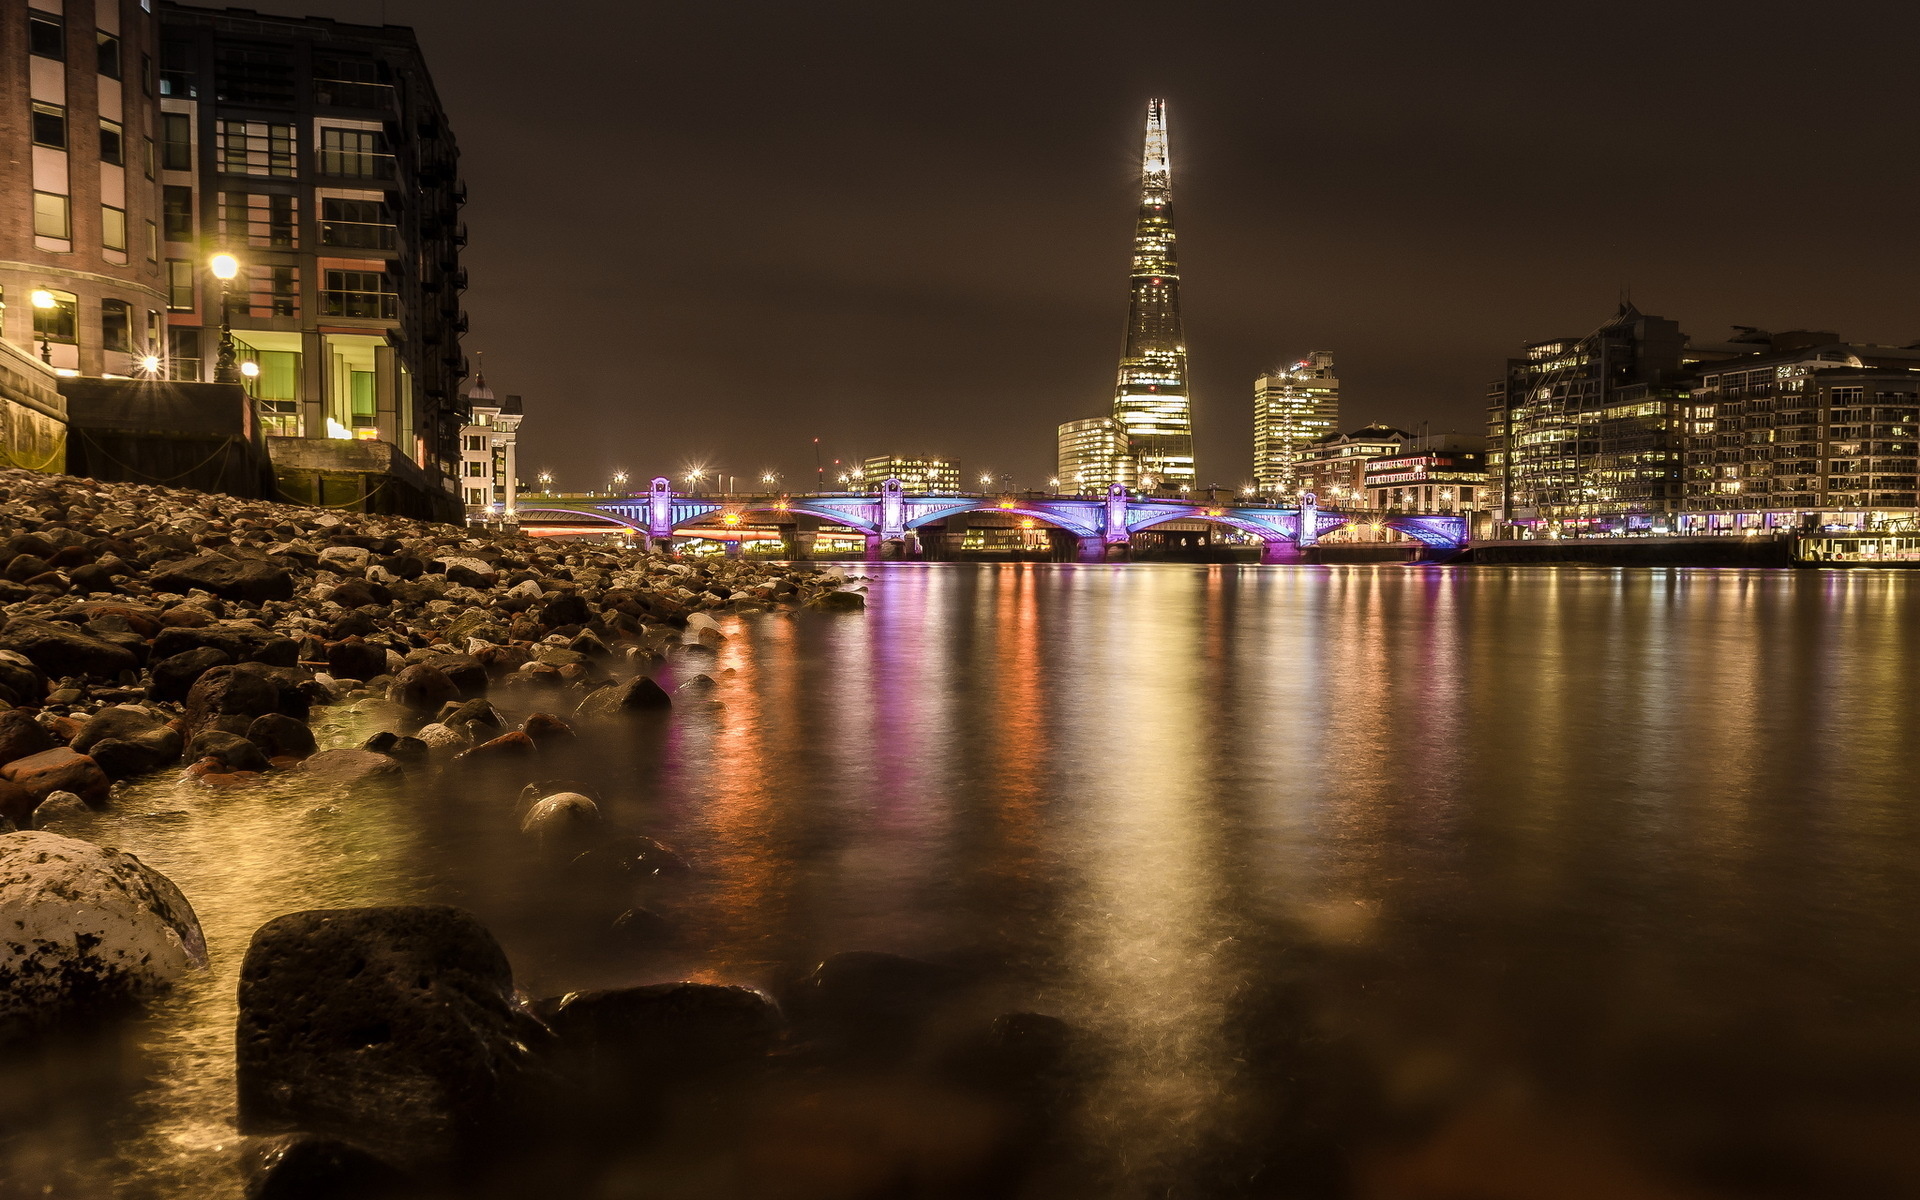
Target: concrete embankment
point(1774, 551)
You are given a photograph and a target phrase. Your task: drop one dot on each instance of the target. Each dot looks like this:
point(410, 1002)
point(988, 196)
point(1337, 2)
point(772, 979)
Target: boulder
point(230, 692)
point(61, 649)
point(547, 730)
point(639, 694)
point(422, 688)
point(567, 608)
point(351, 766)
point(20, 681)
point(640, 1041)
point(355, 659)
point(83, 926)
point(305, 1167)
point(231, 749)
point(281, 736)
point(631, 857)
point(506, 747)
point(174, 677)
point(345, 558)
point(440, 736)
point(21, 735)
point(17, 804)
point(251, 579)
point(469, 572)
point(61, 769)
point(472, 712)
point(564, 818)
point(60, 809)
point(123, 721)
point(130, 758)
point(865, 994)
point(395, 1029)
point(838, 602)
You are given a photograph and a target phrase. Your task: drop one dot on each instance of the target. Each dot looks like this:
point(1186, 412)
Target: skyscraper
point(1151, 400)
point(1292, 407)
point(1093, 456)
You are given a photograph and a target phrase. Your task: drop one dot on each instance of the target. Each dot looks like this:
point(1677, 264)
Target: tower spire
point(1150, 401)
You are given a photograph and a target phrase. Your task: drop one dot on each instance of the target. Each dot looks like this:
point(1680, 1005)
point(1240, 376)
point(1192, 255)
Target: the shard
point(1151, 401)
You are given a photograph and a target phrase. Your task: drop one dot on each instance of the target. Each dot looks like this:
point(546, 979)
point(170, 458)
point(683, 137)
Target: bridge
point(896, 524)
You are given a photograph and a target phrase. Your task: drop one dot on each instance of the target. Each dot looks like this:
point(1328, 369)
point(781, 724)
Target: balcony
point(348, 93)
point(378, 306)
point(357, 235)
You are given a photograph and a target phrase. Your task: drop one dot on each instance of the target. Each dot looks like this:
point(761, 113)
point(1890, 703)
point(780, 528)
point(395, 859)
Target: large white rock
point(700, 622)
point(352, 558)
point(561, 817)
point(82, 924)
point(438, 736)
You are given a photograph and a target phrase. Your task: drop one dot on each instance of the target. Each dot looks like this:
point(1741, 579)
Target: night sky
point(710, 231)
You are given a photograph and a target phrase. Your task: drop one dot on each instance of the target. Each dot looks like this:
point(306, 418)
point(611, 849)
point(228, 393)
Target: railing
point(349, 93)
point(375, 305)
point(357, 235)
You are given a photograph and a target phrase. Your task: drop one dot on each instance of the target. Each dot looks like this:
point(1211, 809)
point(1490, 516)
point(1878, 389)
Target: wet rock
point(304, 1167)
point(838, 602)
point(468, 572)
point(380, 742)
point(640, 694)
point(356, 593)
point(506, 747)
point(123, 721)
point(351, 766)
point(230, 692)
point(356, 659)
point(391, 1028)
point(472, 712)
point(422, 688)
point(61, 649)
point(61, 810)
point(20, 681)
point(17, 805)
point(409, 749)
point(83, 927)
point(249, 579)
point(281, 736)
point(631, 856)
point(439, 736)
point(130, 758)
point(21, 735)
point(547, 730)
point(232, 750)
point(866, 995)
point(60, 769)
point(638, 1042)
point(174, 677)
point(637, 927)
point(562, 819)
point(567, 608)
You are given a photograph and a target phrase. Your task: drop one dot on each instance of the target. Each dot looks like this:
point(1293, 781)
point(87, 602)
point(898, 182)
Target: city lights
point(224, 266)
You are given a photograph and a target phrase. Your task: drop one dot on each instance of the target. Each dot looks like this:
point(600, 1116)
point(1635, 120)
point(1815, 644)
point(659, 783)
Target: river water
point(1373, 881)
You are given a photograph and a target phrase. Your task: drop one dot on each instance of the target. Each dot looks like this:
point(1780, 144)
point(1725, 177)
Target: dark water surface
point(1373, 881)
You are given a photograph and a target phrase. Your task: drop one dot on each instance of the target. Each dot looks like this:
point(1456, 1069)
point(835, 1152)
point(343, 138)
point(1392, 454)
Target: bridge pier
point(874, 545)
point(1276, 553)
point(1092, 549)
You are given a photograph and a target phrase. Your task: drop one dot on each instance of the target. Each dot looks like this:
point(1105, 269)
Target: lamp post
point(546, 483)
point(43, 300)
point(224, 267)
point(619, 481)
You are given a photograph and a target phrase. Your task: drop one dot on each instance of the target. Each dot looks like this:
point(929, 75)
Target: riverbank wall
point(1769, 551)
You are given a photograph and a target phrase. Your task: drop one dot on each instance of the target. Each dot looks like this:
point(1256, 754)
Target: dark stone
point(17, 805)
point(60, 769)
point(174, 677)
point(22, 567)
point(631, 857)
point(21, 735)
point(468, 673)
point(236, 641)
point(567, 608)
point(120, 721)
point(471, 712)
point(129, 759)
point(237, 752)
point(230, 692)
point(411, 749)
point(422, 688)
point(304, 1167)
point(251, 579)
point(393, 1028)
point(90, 578)
point(281, 736)
point(506, 747)
point(381, 742)
point(639, 694)
point(354, 624)
point(21, 683)
point(353, 593)
point(586, 643)
point(280, 652)
point(61, 650)
point(637, 1042)
point(547, 730)
point(406, 566)
point(355, 659)
point(838, 602)
point(351, 766)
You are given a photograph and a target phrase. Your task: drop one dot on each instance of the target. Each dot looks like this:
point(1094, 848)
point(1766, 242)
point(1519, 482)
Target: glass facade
point(1292, 408)
point(1094, 455)
point(1150, 401)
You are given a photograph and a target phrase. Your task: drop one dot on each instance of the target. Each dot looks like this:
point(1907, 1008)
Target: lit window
point(254, 148)
point(113, 228)
point(61, 323)
point(51, 215)
point(354, 154)
point(358, 294)
point(259, 220)
point(179, 285)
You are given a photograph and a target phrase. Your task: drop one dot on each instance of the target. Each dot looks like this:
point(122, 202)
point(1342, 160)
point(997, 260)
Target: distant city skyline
point(847, 213)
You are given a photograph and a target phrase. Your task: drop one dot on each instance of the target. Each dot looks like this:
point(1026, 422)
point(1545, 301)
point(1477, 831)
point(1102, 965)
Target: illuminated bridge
point(895, 524)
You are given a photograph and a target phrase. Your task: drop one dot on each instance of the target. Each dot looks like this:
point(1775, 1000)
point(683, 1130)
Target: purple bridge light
point(1104, 526)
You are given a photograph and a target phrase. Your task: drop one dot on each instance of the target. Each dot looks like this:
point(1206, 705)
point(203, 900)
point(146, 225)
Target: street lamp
point(43, 300)
point(546, 483)
point(619, 480)
point(151, 365)
point(986, 479)
point(225, 267)
point(1054, 483)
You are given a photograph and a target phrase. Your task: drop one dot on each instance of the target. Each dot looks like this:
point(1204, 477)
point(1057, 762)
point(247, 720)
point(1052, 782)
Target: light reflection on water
point(1448, 862)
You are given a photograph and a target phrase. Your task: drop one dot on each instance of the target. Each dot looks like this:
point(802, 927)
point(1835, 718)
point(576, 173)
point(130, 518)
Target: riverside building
point(1094, 455)
point(152, 137)
point(1334, 467)
point(1292, 408)
point(1150, 400)
point(490, 455)
point(925, 473)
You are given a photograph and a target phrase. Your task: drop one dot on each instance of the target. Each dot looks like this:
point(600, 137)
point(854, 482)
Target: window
point(176, 211)
point(51, 216)
point(254, 148)
point(179, 285)
point(116, 325)
point(355, 224)
point(113, 228)
point(61, 323)
point(272, 290)
point(183, 353)
point(349, 83)
point(477, 470)
point(358, 294)
point(46, 36)
point(259, 220)
point(113, 143)
point(147, 157)
point(50, 125)
point(477, 441)
point(176, 147)
point(153, 242)
point(354, 154)
point(107, 47)
point(476, 496)
point(256, 77)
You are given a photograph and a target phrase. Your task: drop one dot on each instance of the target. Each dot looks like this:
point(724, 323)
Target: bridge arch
point(1260, 529)
point(760, 512)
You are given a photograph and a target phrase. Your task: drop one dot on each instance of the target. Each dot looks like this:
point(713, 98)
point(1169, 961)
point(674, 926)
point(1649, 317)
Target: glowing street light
point(546, 483)
point(619, 480)
point(43, 300)
point(986, 480)
point(151, 365)
point(225, 267)
point(250, 369)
